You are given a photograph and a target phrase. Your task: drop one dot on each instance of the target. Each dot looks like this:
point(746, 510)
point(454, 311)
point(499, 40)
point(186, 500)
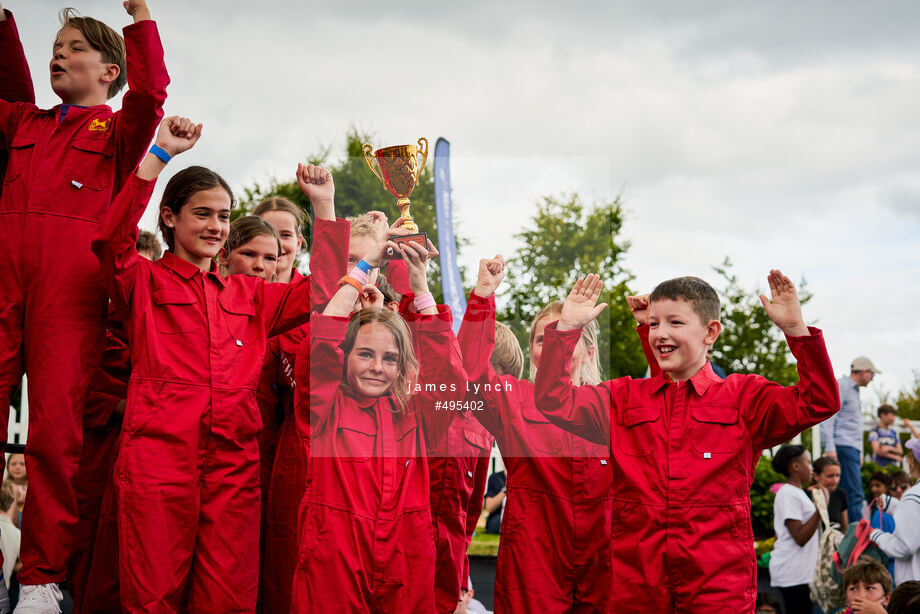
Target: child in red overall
point(555, 531)
point(458, 471)
point(65, 164)
point(284, 452)
point(367, 543)
point(187, 480)
point(685, 442)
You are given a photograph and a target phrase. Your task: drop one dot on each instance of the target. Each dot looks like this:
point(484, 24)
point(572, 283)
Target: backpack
point(854, 546)
point(825, 591)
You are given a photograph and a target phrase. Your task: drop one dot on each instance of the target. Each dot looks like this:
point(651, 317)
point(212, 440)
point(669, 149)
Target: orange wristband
point(351, 281)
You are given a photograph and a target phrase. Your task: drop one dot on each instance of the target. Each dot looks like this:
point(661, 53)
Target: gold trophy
point(398, 171)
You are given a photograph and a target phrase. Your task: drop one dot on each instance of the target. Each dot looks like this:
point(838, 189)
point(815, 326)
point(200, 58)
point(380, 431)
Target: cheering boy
point(65, 164)
point(685, 442)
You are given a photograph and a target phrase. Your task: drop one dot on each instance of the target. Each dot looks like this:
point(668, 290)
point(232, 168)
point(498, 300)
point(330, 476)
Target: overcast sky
point(780, 134)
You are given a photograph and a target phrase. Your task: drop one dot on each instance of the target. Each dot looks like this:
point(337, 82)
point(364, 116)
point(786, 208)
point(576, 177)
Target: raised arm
point(777, 413)
point(15, 79)
point(477, 342)
point(142, 104)
point(116, 238)
point(329, 251)
point(582, 410)
point(638, 305)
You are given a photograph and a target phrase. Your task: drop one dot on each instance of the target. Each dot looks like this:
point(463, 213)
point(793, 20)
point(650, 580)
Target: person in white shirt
point(10, 536)
point(795, 553)
point(904, 544)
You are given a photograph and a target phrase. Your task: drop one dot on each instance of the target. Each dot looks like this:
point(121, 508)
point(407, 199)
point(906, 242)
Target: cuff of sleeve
point(551, 330)
point(337, 225)
point(873, 537)
point(643, 330)
point(331, 328)
point(437, 323)
point(477, 307)
point(815, 336)
point(140, 25)
point(143, 186)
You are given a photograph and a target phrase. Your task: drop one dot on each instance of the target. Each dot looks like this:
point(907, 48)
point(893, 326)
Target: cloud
point(780, 134)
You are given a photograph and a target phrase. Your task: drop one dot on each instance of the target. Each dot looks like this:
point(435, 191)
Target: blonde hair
point(245, 229)
point(361, 226)
point(507, 354)
point(590, 372)
point(103, 39)
point(407, 363)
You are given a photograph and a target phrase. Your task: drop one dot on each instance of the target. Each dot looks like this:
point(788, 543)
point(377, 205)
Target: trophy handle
point(422, 151)
point(367, 149)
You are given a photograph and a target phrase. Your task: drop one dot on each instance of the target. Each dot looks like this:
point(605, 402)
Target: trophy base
point(420, 238)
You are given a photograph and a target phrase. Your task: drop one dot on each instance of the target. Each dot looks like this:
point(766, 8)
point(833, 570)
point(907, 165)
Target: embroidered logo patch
point(99, 126)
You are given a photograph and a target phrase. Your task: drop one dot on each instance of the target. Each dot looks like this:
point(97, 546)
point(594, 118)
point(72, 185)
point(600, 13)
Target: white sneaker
point(39, 599)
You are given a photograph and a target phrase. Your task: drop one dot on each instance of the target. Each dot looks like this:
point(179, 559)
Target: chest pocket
point(20, 154)
point(175, 311)
point(636, 436)
point(716, 429)
point(90, 162)
point(544, 438)
point(238, 313)
point(477, 444)
point(405, 430)
point(356, 435)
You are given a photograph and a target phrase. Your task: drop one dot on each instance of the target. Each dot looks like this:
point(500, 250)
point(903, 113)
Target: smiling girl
point(187, 469)
point(367, 542)
point(253, 248)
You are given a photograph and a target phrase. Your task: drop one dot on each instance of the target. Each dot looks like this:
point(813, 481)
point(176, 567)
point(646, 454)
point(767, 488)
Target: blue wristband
point(364, 266)
point(161, 154)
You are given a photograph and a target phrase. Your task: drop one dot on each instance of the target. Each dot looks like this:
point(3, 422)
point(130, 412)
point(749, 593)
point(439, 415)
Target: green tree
point(357, 191)
point(908, 400)
point(750, 342)
point(567, 239)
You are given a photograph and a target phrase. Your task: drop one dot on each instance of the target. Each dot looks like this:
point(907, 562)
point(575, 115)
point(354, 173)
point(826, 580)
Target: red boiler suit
point(187, 473)
point(683, 463)
point(94, 561)
point(60, 177)
point(458, 472)
point(367, 544)
point(286, 474)
point(553, 556)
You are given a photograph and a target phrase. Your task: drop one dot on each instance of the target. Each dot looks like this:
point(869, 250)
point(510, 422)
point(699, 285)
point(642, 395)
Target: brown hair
point(905, 599)
point(103, 39)
point(886, 409)
point(507, 354)
point(823, 463)
point(7, 496)
point(245, 229)
point(900, 477)
point(868, 572)
point(407, 365)
point(703, 298)
point(148, 242)
point(389, 294)
point(591, 370)
point(183, 185)
point(280, 203)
